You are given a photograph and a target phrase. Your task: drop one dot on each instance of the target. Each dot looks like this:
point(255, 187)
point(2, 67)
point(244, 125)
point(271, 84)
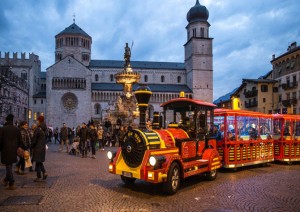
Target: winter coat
point(64, 133)
point(38, 143)
point(93, 135)
point(10, 138)
point(100, 133)
point(25, 139)
point(83, 134)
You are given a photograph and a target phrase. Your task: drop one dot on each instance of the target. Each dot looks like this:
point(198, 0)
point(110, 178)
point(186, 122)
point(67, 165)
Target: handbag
point(20, 152)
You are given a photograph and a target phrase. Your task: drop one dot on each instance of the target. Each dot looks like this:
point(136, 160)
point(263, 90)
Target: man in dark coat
point(10, 138)
point(64, 138)
point(38, 144)
point(83, 134)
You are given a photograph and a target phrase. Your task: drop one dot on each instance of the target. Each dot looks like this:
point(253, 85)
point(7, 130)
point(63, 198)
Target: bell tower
point(75, 42)
point(198, 53)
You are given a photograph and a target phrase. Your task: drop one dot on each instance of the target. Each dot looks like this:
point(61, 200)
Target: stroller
point(75, 147)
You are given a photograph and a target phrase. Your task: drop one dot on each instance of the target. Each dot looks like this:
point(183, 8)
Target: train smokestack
point(155, 123)
point(142, 95)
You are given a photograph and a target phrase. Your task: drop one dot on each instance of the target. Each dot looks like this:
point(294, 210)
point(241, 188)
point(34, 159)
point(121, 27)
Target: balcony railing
point(249, 94)
point(289, 102)
point(251, 104)
point(291, 85)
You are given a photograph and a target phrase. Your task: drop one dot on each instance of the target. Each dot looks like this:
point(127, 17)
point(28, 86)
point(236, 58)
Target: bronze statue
point(127, 55)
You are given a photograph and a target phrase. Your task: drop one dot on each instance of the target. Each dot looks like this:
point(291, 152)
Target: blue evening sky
point(246, 32)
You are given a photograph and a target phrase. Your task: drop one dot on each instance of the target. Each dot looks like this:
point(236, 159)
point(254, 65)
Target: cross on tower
point(74, 18)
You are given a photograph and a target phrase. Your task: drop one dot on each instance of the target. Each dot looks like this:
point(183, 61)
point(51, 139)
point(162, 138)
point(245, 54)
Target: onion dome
point(197, 13)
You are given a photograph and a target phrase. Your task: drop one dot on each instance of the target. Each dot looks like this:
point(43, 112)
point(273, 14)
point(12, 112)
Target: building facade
point(79, 88)
point(25, 82)
point(286, 70)
point(276, 92)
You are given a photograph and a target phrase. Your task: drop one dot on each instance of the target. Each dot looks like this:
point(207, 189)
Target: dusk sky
point(246, 32)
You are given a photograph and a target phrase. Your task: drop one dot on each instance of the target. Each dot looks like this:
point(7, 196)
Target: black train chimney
point(142, 95)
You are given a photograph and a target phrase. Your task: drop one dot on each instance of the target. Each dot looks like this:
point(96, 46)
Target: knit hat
point(41, 119)
point(9, 117)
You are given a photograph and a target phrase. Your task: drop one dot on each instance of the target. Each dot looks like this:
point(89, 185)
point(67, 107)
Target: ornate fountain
point(125, 107)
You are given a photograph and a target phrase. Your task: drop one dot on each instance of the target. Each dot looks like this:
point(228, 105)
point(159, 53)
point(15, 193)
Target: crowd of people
point(27, 144)
point(86, 138)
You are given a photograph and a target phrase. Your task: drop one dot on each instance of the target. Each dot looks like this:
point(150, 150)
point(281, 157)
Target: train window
point(297, 128)
point(277, 124)
point(265, 128)
point(230, 133)
point(287, 128)
point(219, 123)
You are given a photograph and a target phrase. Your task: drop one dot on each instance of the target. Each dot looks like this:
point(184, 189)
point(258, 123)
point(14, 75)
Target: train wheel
point(173, 180)
point(211, 175)
point(128, 180)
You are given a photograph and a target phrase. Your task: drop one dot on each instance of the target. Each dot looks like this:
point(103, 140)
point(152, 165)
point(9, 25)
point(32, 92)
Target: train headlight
point(157, 161)
point(152, 161)
point(111, 155)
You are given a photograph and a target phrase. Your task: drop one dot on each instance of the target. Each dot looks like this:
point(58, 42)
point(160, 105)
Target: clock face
point(69, 101)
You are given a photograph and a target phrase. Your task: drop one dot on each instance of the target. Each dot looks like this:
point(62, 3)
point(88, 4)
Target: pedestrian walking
point(64, 138)
point(100, 138)
point(10, 139)
point(25, 145)
point(93, 139)
point(55, 134)
point(83, 135)
point(38, 144)
point(31, 133)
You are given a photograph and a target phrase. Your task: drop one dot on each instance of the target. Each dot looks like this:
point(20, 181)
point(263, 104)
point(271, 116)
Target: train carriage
point(245, 137)
point(286, 137)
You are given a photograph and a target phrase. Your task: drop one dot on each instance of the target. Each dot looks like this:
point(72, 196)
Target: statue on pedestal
point(127, 56)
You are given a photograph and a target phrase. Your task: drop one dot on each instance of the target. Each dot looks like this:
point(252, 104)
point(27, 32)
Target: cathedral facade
point(79, 88)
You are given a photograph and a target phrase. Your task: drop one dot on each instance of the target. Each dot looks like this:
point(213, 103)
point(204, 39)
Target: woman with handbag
point(25, 143)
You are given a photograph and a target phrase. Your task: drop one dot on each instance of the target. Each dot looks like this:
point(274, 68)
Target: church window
point(179, 79)
point(194, 32)
point(162, 78)
point(111, 77)
point(202, 32)
point(34, 116)
point(42, 101)
point(24, 75)
point(97, 109)
point(96, 77)
point(146, 78)
point(34, 101)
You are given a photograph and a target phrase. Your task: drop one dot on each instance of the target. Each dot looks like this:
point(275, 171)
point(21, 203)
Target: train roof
point(186, 103)
point(222, 111)
point(286, 116)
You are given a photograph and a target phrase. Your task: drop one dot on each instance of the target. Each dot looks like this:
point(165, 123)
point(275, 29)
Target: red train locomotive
point(171, 154)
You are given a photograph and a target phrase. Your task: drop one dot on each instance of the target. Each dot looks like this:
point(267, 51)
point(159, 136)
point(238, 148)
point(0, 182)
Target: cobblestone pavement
point(84, 184)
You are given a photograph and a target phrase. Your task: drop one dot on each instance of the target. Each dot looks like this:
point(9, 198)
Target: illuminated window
point(29, 114)
point(34, 116)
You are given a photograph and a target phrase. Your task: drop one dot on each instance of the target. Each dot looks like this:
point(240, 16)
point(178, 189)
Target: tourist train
point(192, 137)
